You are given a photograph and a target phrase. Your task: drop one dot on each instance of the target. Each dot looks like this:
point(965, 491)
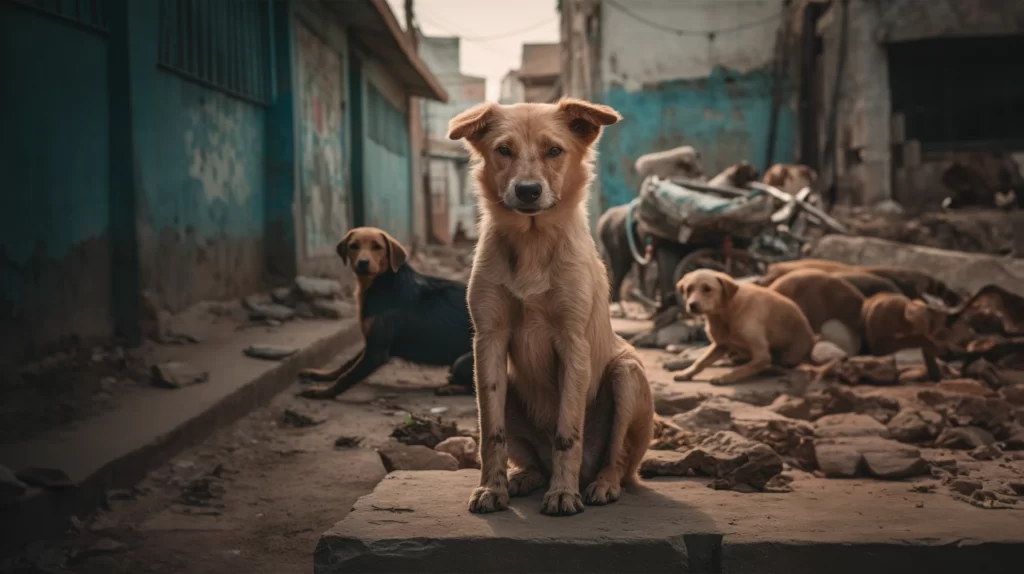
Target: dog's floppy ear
point(342, 247)
point(472, 123)
point(729, 286)
point(586, 119)
point(396, 253)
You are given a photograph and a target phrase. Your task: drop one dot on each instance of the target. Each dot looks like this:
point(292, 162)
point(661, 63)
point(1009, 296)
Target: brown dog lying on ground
point(560, 395)
point(832, 305)
point(912, 283)
point(747, 320)
point(893, 323)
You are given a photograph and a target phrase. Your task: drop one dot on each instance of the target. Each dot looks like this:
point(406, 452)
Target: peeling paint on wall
point(324, 198)
point(725, 116)
point(211, 141)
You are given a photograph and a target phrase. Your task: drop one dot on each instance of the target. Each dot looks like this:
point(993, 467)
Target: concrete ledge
point(418, 522)
point(966, 271)
point(119, 447)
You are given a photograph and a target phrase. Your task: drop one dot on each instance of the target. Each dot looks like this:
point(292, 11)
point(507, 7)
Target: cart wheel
point(741, 264)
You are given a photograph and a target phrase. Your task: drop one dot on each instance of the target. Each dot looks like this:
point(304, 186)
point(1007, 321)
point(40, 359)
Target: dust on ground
point(256, 496)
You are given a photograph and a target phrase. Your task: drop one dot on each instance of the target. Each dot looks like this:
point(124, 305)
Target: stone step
point(419, 522)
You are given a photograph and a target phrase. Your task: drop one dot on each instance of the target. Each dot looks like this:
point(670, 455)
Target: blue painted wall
point(200, 178)
point(725, 116)
point(54, 222)
point(387, 168)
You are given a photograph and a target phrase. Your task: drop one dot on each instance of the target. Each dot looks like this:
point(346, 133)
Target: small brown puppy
point(894, 322)
point(560, 395)
point(789, 177)
point(916, 284)
point(745, 319)
point(736, 175)
point(832, 306)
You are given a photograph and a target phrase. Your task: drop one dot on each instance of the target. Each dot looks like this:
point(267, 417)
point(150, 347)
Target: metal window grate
point(224, 45)
point(386, 125)
point(89, 13)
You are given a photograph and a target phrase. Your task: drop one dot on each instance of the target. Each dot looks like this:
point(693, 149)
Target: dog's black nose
point(528, 192)
point(693, 307)
point(363, 265)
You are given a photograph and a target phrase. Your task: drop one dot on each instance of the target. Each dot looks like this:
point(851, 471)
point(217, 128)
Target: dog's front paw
point(317, 393)
point(686, 375)
point(486, 500)
point(601, 492)
point(719, 381)
point(562, 503)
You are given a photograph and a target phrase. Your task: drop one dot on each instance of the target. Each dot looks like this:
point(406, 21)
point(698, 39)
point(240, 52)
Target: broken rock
point(987, 452)
point(298, 420)
point(848, 425)
point(317, 288)
point(269, 352)
point(879, 457)
point(175, 375)
point(733, 461)
point(989, 413)
point(792, 407)
point(864, 370)
point(331, 309)
point(965, 486)
point(260, 311)
point(915, 425)
point(463, 448)
point(964, 438)
point(674, 398)
point(1013, 394)
point(397, 456)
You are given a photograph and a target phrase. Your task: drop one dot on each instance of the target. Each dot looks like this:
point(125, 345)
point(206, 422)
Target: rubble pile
point(306, 298)
point(864, 425)
point(977, 231)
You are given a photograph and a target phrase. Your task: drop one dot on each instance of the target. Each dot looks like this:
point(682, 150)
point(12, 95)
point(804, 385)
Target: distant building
point(540, 72)
point(511, 89)
point(680, 73)
point(453, 204)
point(192, 151)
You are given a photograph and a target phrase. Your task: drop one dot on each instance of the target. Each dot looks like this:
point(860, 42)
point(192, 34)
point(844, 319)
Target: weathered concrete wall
point(712, 91)
point(55, 249)
point(324, 201)
point(903, 20)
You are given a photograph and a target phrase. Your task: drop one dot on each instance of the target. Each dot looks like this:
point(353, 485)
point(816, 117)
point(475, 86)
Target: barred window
point(224, 45)
point(385, 123)
point(89, 13)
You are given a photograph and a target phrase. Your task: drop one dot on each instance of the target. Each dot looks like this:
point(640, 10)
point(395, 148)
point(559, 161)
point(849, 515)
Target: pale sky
point(492, 31)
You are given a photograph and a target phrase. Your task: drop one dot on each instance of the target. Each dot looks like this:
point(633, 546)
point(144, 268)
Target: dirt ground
point(256, 496)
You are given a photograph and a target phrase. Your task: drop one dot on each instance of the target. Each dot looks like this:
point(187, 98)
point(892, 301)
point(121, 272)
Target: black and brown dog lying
point(403, 314)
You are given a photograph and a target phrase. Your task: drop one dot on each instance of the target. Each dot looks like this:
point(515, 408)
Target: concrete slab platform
point(117, 448)
point(418, 522)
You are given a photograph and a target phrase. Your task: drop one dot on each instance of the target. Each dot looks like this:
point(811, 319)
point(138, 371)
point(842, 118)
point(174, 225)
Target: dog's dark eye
point(705, 289)
point(376, 247)
point(504, 150)
point(554, 152)
point(353, 246)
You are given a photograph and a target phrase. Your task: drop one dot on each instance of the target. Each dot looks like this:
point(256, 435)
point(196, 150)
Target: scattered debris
point(863, 370)
point(849, 425)
point(915, 425)
point(673, 399)
point(965, 486)
point(416, 430)
point(259, 310)
point(317, 288)
point(986, 452)
point(330, 309)
point(463, 448)
point(269, 352)
point(175, 375)
point(736, 463)
point(347, 441)
point(438, 410)
point(871, 455)
point(927, 488)
point(296, 419)
point(668, 436)
point(48, 478)
point(202, 491)
point(825, 352)
point(398, 456)
point(792, 407)
point(965, 438)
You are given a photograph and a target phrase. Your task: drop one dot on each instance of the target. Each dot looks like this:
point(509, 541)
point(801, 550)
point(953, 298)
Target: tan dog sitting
point(894, 323)
point(560, 395)
point(747, 320)
point(832, 305)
